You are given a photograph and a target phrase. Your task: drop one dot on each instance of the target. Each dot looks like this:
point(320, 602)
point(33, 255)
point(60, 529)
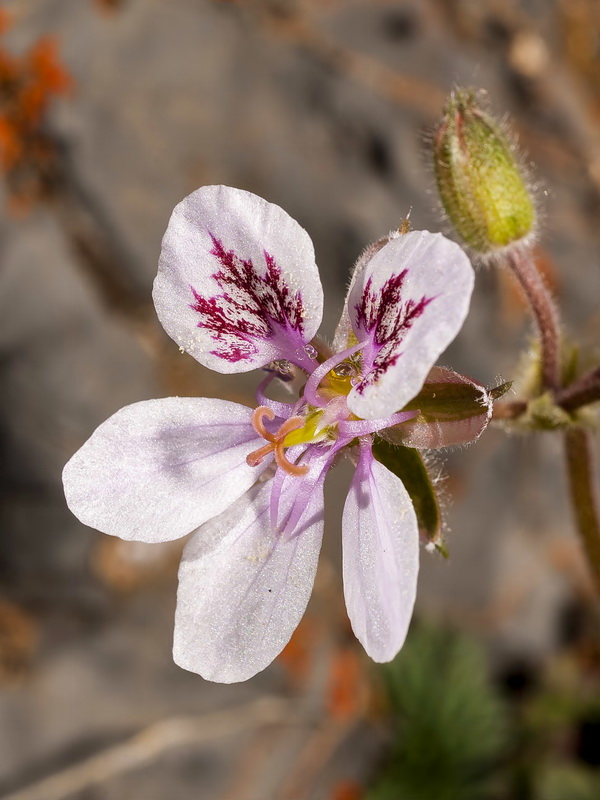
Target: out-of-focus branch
point(154, 740)
point(100, 248)
point(510, 410)
point(582, 392)
point(583, 490)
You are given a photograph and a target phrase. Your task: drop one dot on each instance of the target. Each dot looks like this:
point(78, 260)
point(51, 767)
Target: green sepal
point(441, 548)
point(481, 184)
point(406, 463)
point(499, 391)
point(448, 402)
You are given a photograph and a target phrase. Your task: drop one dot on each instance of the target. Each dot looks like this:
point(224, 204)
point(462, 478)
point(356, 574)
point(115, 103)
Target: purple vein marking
point(383, 314)
point(251, 306)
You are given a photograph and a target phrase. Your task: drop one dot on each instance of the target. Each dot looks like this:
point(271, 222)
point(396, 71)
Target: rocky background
point(321, 106)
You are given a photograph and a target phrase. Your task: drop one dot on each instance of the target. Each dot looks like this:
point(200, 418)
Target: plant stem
point(582, 479)
point(509, 410)
point(544, 312)
point(585, 390)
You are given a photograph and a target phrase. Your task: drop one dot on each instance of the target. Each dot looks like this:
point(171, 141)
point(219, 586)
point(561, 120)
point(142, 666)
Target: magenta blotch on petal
point(237, 284)
point(410, 301)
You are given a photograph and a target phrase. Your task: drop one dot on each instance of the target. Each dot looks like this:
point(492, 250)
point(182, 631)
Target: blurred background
point(111, 111)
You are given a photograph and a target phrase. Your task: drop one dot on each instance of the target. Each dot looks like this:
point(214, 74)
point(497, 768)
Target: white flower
point(238, 289)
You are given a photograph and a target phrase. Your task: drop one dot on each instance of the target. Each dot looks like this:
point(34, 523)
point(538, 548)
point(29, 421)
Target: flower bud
point(481, 185)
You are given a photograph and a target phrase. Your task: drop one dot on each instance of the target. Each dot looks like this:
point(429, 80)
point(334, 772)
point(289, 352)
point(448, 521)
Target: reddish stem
point(585, 390)
point(544, 312)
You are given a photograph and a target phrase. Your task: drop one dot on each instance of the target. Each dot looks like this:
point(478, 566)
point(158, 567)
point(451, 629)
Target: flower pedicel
point(238, 289)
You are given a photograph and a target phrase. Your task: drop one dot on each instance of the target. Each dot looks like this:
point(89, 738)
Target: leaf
point(562, 781)
point(451, 726)
point(406, 463)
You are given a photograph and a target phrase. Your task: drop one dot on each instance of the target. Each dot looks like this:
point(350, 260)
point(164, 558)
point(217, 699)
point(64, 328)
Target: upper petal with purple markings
point(237, 283)
point(407, 304)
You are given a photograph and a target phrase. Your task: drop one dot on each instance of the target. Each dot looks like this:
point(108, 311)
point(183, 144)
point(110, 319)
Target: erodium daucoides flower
point(238, 289)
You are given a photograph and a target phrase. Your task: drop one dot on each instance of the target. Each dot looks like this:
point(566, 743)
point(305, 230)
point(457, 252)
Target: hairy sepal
point(453, 410)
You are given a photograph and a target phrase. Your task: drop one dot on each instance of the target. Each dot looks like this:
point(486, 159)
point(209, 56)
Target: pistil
point(276, 441)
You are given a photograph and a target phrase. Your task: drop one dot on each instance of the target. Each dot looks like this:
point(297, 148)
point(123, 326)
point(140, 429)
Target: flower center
point(340, 380)
point(325, 408)
point(276, 442)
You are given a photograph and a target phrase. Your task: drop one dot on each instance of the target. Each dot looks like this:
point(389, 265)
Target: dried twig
point(153, 741)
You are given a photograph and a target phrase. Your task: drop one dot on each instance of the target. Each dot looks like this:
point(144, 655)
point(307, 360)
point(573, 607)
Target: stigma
point(276, 443)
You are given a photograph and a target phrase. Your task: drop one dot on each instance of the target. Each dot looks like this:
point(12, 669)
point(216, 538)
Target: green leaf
point(452, 728)
point(567, 782)
point(406, 463)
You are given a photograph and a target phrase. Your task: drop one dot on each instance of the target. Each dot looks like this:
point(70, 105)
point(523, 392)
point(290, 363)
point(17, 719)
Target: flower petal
point(156, 470)
point(409, 302)
point(237, 283)
point(244, 586)
point(344, 335)
point(380, 558)
point(407, 464)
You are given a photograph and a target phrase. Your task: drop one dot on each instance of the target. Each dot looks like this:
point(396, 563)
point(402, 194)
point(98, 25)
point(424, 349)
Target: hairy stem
point(582, 480)
point(509, 410)
point(583, 391)
point(544, 312)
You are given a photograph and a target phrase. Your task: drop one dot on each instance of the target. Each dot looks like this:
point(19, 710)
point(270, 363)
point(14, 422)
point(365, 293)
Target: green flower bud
point(481, 185)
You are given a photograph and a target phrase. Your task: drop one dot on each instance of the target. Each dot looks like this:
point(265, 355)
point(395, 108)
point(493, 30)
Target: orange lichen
point(109, 5)
point(18, 638)
point(347, 790)
point(345, 695)
point(28, 84)
point(297, 655)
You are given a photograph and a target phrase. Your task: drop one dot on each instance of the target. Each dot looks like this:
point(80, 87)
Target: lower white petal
point(156, 470)
point(380, 558)
point(243, 587)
